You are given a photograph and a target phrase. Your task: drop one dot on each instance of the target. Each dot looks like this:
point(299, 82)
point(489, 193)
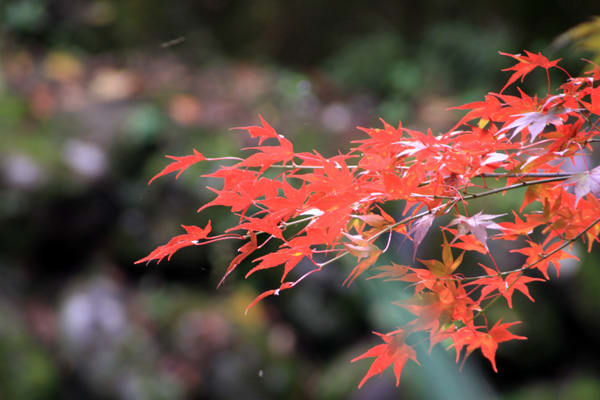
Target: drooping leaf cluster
point(320, 209)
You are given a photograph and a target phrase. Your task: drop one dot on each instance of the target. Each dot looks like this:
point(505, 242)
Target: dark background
point(94, 93)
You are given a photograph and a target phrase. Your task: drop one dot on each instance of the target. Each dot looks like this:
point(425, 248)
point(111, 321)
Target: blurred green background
point(93, 93)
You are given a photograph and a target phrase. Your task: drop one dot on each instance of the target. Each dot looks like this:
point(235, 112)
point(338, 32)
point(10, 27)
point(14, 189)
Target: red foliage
point(394, 351)
point(334, 205)
point(180, 164)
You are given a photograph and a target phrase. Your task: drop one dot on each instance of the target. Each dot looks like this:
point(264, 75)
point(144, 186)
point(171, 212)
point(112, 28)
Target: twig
point(522, 269)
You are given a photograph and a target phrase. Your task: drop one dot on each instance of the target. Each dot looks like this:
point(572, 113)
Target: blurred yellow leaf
point(585, 37)
point(63, 67)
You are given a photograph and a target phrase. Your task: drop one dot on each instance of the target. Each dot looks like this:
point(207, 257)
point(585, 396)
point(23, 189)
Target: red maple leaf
point(536, 251)
point(487, 110)
point(506, 286)
point(180, 164)
point(247, 249)
point(393, 351)
point(191, 237)
point(473, 339)
point(526, 64)
point(512, 231)
point(289, 257)
point(469, 243)
point(272, 292)
point(594, 105)
point(261, 132)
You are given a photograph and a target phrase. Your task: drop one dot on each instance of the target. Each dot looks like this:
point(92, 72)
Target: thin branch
point(526, 175)
point(486, 175)
point(522, 269)
point(542, 258)
point(515, 186)
point(293, 165)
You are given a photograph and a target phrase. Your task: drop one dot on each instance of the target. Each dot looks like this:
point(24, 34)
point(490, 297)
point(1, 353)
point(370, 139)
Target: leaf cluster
point(321, 209)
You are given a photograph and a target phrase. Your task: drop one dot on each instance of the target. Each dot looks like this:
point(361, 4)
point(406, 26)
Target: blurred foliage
point(94, 93)
point(24, 16)
point(26, 369)
point(585, 37)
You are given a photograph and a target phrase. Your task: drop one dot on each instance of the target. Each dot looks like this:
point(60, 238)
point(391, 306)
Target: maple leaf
point(594, 106)
point(484, 110)
point(448, 263)
point(487, 342)
point(512, 231)
point(289, 257)
point(498, 334)
point(268, 224)
point(506, 286)
point(392, 272)
point(422, 278)
point(419, 229)
point(376, 220)
point(191, 237)
point(261, 132)
point(534, 121)
point(244, 251)
point(586, 182)
point(469, 243)
point(272, 292)
point(393, 352)
point(526, 64)
point(269, 155)
point(419, 143)
point(536, 251)
point(358, 246)
point(361, 248)
point(534, 193)
point(180, 164)
point(493, 158)
point(446, 300)
point(477, 225)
